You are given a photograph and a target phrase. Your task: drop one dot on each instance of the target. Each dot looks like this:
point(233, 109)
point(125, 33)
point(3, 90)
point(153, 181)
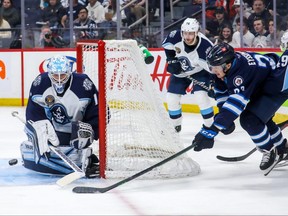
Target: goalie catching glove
point(40, 134)
point(82, 135)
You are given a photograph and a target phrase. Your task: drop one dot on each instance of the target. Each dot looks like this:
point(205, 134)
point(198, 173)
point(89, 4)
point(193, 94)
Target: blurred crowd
point(47, 22)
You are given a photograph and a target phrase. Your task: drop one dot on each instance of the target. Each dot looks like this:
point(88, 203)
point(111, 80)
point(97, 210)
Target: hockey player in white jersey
point(62, 111)
point(186, 51)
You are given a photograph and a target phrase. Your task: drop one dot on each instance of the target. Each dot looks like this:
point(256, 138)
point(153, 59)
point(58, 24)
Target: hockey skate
point(269, 160)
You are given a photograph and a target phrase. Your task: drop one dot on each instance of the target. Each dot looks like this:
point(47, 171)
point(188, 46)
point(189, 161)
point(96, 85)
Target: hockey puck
point(12, 162)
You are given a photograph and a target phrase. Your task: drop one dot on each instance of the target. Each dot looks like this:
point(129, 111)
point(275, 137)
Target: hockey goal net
point(136, 132)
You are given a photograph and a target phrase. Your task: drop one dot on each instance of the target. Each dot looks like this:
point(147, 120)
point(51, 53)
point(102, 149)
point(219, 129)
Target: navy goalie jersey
point(79, 102)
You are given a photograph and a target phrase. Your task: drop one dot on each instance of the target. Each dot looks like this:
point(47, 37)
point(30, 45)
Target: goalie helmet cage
point(135, 132)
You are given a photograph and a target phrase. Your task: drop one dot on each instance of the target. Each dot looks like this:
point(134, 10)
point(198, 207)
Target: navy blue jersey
point(244, 82)
point(79, 102)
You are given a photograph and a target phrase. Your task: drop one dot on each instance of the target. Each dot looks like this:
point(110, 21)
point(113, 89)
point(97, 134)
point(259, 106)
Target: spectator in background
point(260, 40)
point(107, 29)
point(195, 7)
point(49, 39)
point(96, 11)
point(226, 4)
point(214, 26)
point(10, 13)
point(4, 25)
point(53, 15)
point(246, 12)
point(261, 12)
point(270, 37)
point(85, 28)
point(248, 37)
point(225, 34)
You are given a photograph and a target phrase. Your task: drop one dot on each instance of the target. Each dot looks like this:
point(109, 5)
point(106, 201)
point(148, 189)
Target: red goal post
point(135, 131)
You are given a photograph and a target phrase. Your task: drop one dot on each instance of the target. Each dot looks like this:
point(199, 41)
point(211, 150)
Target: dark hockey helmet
point(220, 54)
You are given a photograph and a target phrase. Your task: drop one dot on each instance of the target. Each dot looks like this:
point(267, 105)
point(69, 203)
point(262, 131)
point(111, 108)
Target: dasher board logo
point(2, 70)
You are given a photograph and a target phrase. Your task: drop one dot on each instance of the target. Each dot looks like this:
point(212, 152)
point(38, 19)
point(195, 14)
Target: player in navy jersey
point(186, 51)
point(253, 87)
point(63, 109)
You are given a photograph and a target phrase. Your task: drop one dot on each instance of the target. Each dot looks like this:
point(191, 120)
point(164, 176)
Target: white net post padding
point(139, 133)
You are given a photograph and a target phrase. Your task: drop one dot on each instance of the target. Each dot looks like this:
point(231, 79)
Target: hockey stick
point(67, 179)
point(281, 125)
point(83, 189)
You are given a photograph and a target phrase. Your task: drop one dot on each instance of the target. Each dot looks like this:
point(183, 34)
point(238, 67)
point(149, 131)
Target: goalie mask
point(59, 72)
point(189, 26)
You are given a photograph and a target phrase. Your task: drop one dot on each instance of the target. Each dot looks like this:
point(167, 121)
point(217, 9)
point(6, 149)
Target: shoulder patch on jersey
point(87, 84)
point(178, 50)
point(237, 81)
point(172, 33)
point(37, 81)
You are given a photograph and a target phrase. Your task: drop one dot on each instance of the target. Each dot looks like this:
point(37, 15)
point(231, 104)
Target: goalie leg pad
point(48, 164)
point(82, 135)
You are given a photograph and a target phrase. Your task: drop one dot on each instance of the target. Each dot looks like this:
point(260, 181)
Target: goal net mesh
point(137, 129)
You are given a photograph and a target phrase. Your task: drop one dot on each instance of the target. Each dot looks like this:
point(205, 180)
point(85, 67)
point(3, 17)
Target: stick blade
point(229, 159)
point(81, 189)
point(69, 178)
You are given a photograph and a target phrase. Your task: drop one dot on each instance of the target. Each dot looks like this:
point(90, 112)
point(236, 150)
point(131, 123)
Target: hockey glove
point(82, 135)
point(205, 138)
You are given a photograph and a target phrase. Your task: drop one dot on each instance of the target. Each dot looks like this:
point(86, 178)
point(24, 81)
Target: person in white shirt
point(260, 40)
point(248, 37)
point(96, 11)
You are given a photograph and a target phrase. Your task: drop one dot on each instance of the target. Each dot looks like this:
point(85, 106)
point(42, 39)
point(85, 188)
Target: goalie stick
point(84, 189)
point(281, 125)
point(67, 179)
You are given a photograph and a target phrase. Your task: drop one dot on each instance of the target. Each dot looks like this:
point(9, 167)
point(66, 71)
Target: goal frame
point(102, 103)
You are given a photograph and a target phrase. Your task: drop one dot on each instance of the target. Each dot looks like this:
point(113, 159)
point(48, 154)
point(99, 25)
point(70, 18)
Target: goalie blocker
point(36, 153)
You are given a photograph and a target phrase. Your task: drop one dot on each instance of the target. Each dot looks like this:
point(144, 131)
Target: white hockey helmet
point(190, 25)
point(59, 72)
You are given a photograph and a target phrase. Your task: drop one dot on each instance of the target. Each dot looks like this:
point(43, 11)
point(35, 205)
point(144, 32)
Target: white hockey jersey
point(191, 58)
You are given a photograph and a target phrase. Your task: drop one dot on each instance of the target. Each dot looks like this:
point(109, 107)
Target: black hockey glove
point(92, 170)
point(205, 138)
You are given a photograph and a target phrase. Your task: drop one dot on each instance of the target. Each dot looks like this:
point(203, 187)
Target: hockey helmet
point(190, 25)
point(59, 72)
point(220, 54)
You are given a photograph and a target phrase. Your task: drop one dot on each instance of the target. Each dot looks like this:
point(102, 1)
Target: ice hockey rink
point(222, 188)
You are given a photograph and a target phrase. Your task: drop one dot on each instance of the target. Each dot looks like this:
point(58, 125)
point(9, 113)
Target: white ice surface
point(222, 188)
